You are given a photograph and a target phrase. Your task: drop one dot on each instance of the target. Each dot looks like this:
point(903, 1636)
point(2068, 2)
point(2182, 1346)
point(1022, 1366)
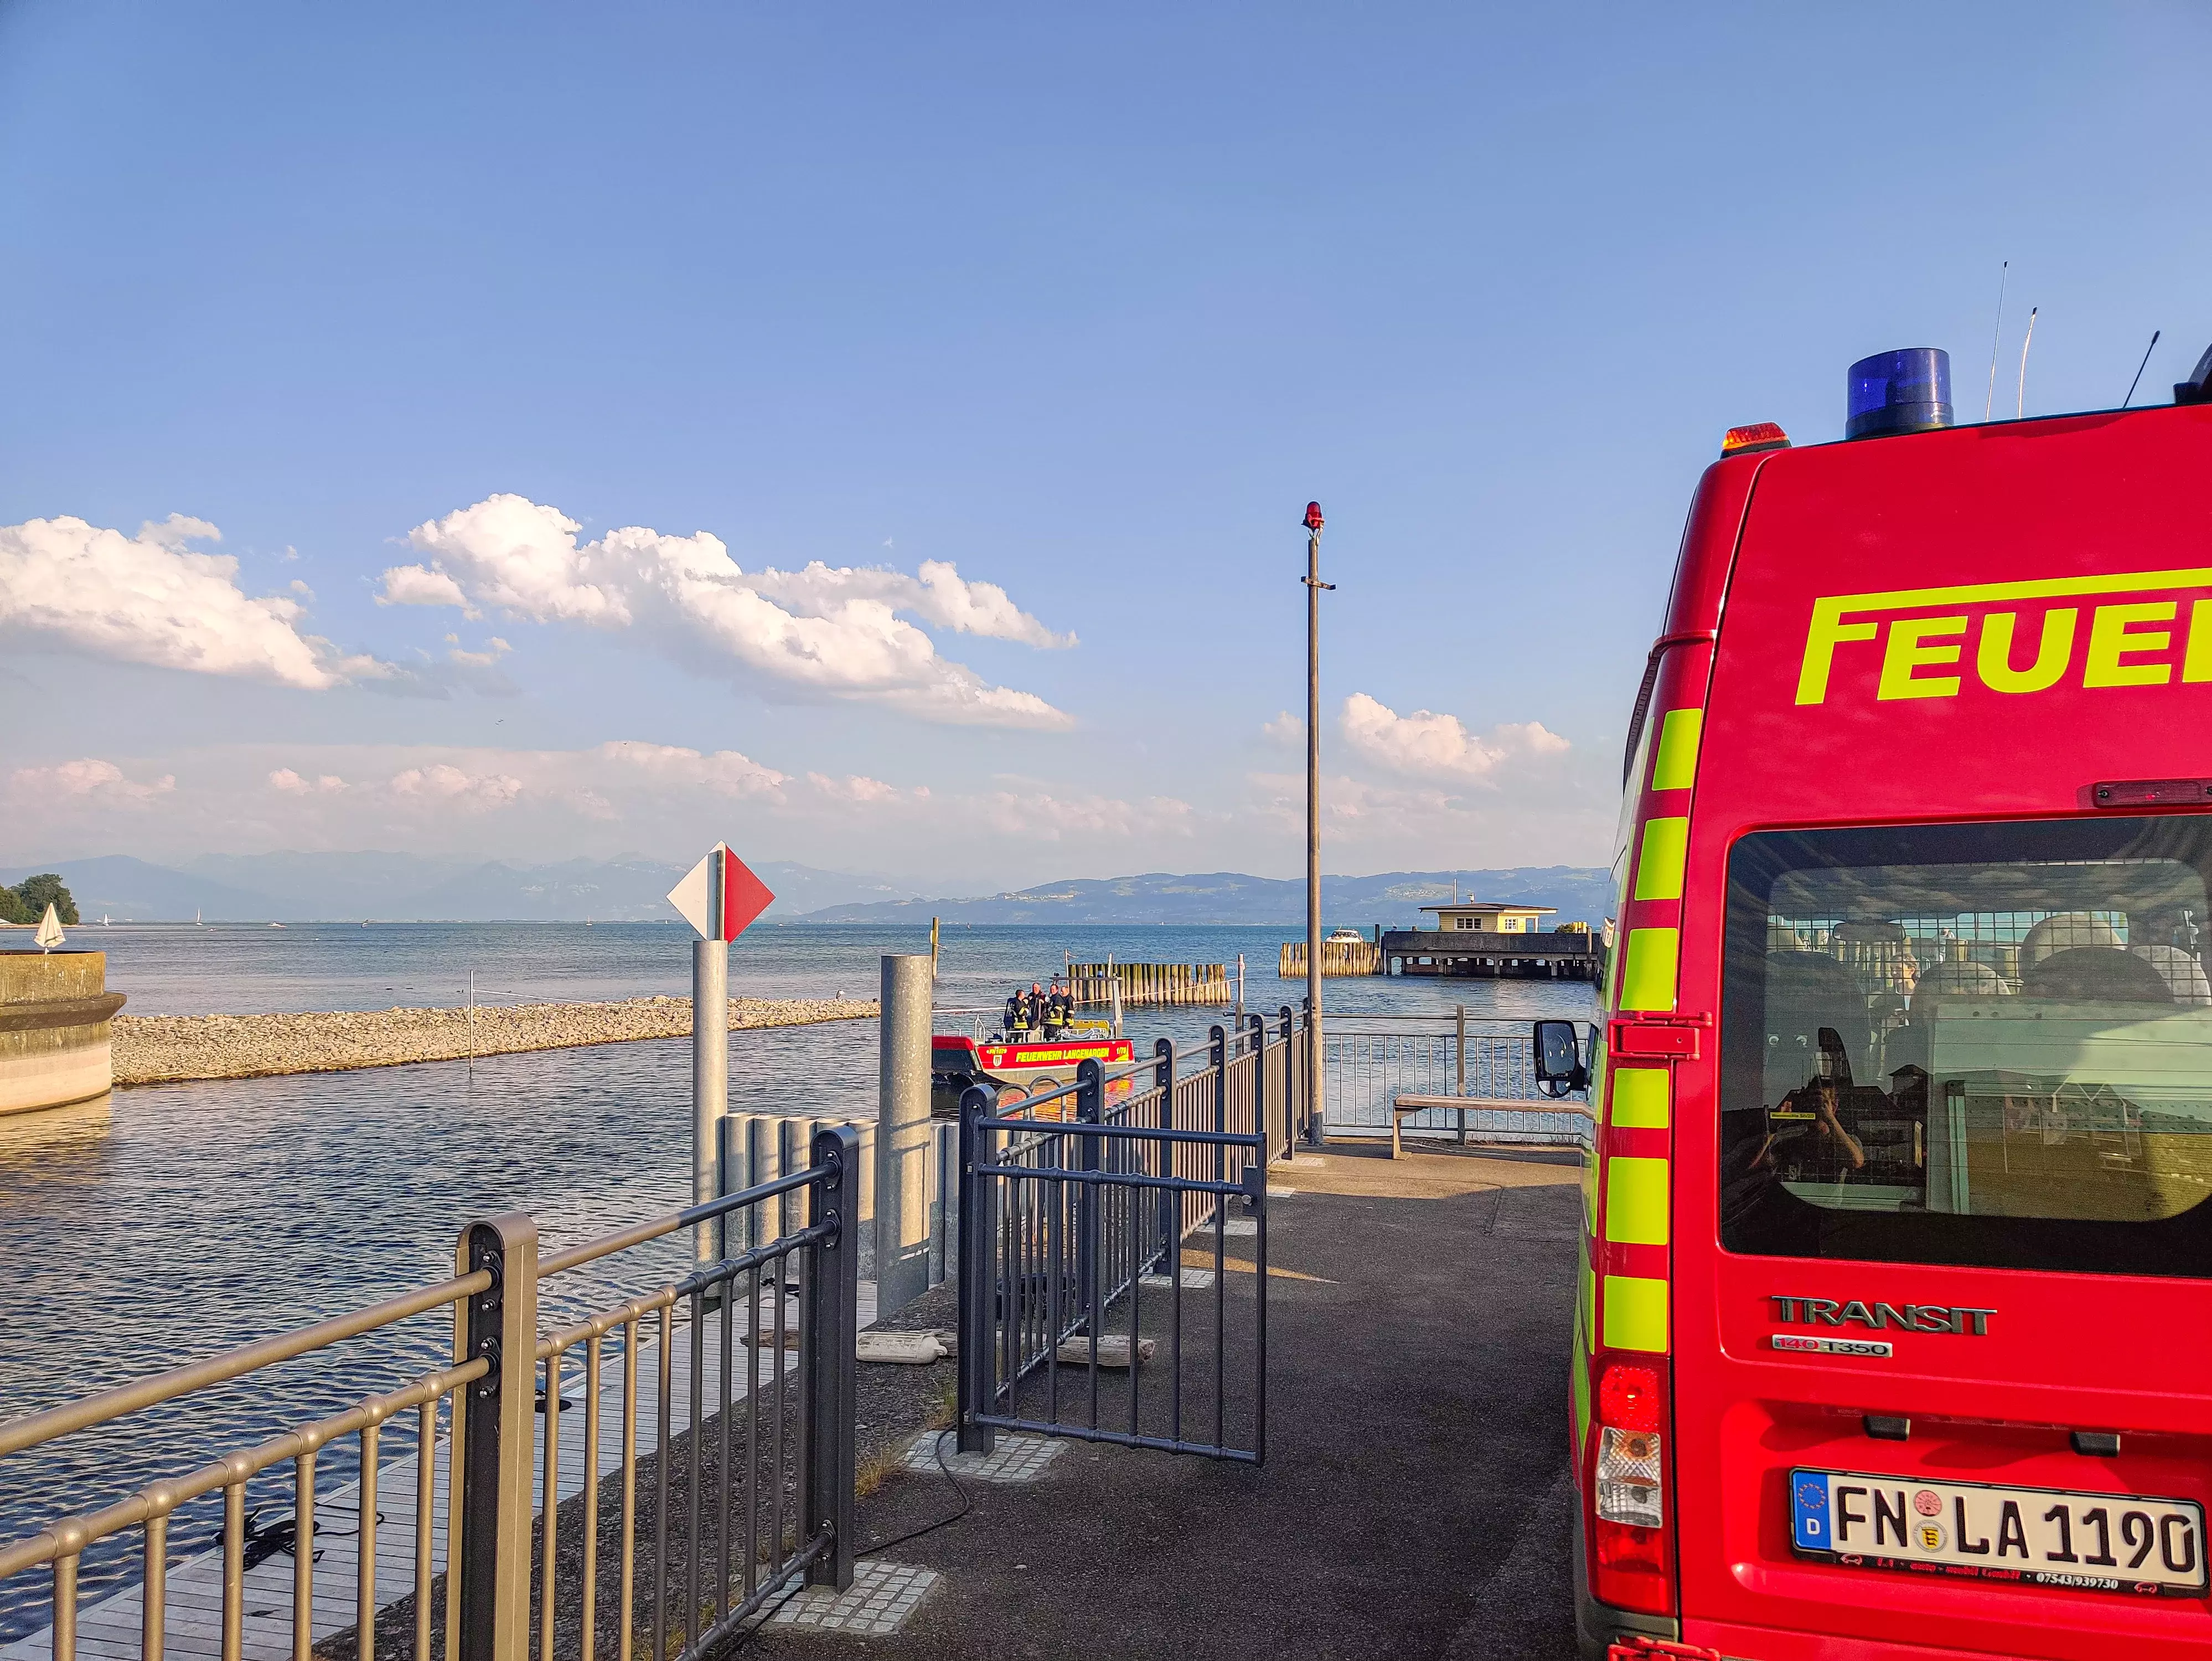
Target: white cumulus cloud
point(937, 594)
point(446, 784)
point(417, 585)
point(92, 779)
point(153, 599)
point(856, 789)
point(1427, 745)
point(669, 766)
point(833, 632)
point(296, 784)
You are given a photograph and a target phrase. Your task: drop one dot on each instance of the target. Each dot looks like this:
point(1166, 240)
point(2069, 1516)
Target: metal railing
point(482, 1555)
point(1368, 1061)
point(1073, 1206)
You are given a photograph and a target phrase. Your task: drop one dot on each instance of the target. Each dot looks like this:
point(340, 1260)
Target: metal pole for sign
point(710, 1074)
point(720, 898)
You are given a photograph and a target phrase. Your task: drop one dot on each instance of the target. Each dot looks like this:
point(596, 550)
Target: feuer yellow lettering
point(1827, 627)
point(2197, 660)
point(1905, 651)
point(1993, 656)
point(1828, 630)
point(2112, 638)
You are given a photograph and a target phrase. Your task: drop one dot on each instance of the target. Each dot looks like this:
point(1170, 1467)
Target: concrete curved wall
point(54, 1011)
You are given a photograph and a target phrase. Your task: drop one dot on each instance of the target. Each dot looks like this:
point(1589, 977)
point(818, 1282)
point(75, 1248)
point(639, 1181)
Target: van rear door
point(1943, 1273)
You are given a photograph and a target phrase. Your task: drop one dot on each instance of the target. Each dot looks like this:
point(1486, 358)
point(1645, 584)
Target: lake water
point(174, 1222)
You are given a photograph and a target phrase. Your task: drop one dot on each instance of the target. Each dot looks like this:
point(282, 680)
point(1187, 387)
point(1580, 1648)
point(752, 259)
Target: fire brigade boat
point(1026, 1062)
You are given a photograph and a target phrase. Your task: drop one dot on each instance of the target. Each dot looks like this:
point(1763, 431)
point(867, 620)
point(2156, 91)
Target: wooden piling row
point(1338, 958)
point(1091, 984)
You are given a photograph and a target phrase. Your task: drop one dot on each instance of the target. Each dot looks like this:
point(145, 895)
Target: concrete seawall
point(55, 1012)
point(172, 1049)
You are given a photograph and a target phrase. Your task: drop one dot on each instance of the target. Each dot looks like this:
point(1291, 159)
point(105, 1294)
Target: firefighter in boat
point(1037, 1013)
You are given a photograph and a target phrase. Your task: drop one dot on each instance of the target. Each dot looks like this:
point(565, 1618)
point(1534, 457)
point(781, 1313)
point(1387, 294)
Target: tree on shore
point(26, 902)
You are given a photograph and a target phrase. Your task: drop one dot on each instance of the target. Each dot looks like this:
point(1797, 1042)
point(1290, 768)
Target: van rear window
point(1986, 1044)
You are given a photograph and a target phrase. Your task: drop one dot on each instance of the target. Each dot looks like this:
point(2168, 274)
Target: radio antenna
point(2140, 368)
point(1990, 403)
point(2020, 409)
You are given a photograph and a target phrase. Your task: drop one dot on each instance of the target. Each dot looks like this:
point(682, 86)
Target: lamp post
point(1317, 1123)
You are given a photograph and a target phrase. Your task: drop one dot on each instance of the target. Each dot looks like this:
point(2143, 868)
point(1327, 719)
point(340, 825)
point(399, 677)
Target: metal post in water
point(903, 1134)
point(710, 1076)
point(1317, 1124)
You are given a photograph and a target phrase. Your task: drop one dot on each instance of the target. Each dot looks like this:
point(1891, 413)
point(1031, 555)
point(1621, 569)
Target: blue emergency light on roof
point(1907, 391)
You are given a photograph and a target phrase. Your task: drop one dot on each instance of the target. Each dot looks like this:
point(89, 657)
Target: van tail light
point(1632, 1542)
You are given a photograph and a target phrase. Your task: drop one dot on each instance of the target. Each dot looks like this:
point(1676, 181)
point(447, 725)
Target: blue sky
point(1086, 306)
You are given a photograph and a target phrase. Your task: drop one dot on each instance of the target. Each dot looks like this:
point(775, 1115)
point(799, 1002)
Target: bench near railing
point(1401, 1107)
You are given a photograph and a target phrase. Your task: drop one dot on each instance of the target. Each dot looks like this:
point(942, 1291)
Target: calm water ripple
point(169, 1224)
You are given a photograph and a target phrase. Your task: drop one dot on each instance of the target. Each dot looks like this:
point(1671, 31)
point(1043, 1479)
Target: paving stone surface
point(1015, 1458)
point(1194, 1279)
point(883, 1594)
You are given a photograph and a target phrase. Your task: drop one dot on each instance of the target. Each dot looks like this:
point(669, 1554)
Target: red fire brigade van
point(1894, 1325)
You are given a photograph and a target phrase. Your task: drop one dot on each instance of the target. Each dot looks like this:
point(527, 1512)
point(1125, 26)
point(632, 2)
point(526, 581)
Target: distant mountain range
point(287, 887)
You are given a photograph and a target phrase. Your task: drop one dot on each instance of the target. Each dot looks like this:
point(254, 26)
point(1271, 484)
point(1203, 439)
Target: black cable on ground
point(966, 1504)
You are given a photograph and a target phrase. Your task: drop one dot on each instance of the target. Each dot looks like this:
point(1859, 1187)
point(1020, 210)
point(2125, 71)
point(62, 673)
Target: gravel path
point(168, 1049)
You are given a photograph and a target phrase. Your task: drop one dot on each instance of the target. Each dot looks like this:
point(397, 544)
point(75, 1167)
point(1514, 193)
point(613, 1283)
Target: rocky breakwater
point(171, 1048)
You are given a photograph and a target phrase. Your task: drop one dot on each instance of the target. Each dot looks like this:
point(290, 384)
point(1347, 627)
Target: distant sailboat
point(196, 923)
point(49, 930)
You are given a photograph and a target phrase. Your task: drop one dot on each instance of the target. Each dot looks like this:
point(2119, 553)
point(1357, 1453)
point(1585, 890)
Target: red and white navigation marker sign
point(719, 897)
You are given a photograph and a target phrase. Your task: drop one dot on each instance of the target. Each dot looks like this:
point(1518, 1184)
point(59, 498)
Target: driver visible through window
point(1972, 1044)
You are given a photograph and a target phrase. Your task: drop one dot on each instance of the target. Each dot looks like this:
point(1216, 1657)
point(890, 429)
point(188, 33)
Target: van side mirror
point(1559, 1058)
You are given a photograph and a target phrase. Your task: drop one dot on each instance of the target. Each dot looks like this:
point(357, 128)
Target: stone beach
point(172, 1049)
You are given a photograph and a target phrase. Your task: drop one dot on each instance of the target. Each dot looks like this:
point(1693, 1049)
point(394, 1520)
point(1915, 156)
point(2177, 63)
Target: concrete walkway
point(1415, 1499)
